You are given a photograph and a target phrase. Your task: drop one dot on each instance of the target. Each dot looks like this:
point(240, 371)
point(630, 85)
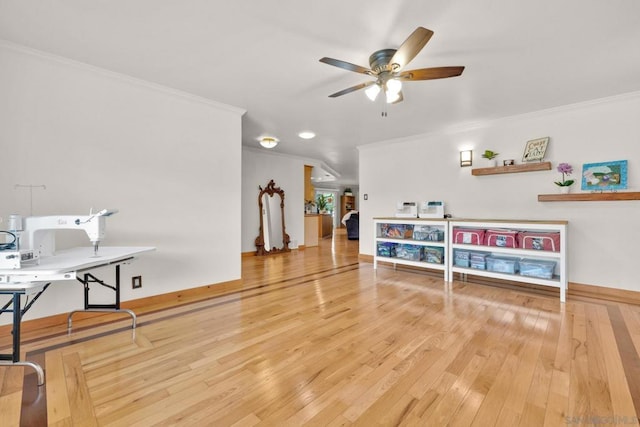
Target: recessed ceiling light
point(306, 134)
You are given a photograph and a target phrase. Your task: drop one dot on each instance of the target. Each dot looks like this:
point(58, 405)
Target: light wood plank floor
point(316, 338)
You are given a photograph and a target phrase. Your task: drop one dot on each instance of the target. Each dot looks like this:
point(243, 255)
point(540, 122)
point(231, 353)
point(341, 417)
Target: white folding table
point(32, 281)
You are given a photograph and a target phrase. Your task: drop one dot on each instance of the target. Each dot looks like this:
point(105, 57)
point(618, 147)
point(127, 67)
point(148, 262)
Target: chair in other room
point(353, 227)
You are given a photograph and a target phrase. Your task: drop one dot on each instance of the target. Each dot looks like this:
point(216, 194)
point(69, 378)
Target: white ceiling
point(262, 55)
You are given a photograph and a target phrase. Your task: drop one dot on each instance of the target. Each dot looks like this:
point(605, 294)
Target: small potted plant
point(565, 169)
point(348, 192)
point(321, 203)
point(491, 157)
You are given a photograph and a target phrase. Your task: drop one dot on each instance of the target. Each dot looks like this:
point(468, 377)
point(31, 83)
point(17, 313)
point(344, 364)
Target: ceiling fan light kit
point(372, 92)
point(394, 85)
point(386, 67)
point(392, 97)
point(392, 90)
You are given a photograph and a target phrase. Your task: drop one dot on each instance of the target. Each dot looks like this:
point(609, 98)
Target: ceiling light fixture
point(306, 134)
point(392, 88)
point(392, 97)
point(372, 91)
point(268, 141)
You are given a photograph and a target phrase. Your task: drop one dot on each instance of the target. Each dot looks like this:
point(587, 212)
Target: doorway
point(332, 204)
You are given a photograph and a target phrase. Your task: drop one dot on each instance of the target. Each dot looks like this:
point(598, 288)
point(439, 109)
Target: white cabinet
point(414, 242)
point(550, 255)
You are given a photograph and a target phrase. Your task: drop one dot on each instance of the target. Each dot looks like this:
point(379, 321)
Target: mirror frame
point(271, 190)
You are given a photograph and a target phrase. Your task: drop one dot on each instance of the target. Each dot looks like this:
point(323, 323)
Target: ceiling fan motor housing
point(379, 60)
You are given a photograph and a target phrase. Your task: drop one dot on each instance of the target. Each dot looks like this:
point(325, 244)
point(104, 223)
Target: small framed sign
point(535, 149)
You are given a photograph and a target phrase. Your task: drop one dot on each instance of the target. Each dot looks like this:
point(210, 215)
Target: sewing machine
point(38, 232)
point(36, 235)
point(431, 210)
point(406, 210)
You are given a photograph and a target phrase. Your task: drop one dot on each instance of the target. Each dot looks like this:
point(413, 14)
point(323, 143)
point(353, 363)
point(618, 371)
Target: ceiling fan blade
point(351, 89)
point(410, 48)
point(346, 65)
point(430, 73)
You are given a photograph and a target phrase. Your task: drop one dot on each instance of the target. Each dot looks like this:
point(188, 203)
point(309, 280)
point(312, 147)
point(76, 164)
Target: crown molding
point(120, 77)
point(629, 96)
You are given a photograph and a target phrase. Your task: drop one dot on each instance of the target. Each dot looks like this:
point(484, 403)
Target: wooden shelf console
point(589, 197)
point(525, 167)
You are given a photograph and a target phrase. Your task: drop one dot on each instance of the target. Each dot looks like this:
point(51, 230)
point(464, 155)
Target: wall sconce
point(466, 158)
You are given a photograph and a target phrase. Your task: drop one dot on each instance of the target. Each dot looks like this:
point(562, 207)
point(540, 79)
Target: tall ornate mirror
point(273, 237)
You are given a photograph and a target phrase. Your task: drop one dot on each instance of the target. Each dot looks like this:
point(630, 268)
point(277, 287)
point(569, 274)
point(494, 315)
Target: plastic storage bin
point(542, 269)
point(461, 258)
point(507, 265)
point(478, 260)
point(434, 255)
point(409, 252)
point(387, 249)
point(428, 233)
point(397, 231)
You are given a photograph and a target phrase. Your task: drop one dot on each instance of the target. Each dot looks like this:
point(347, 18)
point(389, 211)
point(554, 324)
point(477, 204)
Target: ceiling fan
point(386, 66)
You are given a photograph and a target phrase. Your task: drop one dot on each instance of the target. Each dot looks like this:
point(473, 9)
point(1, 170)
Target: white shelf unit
point(440, 224)
point(559, 279)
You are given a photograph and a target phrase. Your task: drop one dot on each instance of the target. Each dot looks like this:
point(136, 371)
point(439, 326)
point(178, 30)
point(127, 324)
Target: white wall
point(258, 167)
point(170, 162)
point(603, 236)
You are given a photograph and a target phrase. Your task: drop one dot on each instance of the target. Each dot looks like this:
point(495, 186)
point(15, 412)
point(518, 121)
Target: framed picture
point(535, 149)
point(509, 162)
point(605, 176)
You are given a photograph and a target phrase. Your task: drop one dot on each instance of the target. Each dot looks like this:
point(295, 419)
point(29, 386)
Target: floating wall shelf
point(525, 167)
point(589, 197)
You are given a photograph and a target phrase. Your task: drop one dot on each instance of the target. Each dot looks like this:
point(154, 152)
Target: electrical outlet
point(136, 282)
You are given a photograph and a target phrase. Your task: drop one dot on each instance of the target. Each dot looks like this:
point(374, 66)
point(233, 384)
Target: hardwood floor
point(316, 338)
